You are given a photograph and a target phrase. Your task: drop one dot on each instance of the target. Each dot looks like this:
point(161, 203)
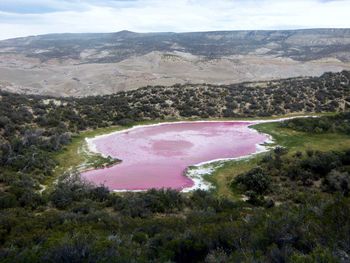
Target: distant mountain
point(302, 45)
point(88, 64)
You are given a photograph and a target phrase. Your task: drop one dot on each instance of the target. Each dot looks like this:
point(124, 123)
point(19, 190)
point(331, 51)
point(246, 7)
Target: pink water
point(157, 156)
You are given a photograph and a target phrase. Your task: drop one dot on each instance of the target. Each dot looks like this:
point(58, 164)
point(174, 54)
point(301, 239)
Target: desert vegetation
point(285, 177)
point(297, 207)
point(33, 128)
point(338, 123)
point(328, 93)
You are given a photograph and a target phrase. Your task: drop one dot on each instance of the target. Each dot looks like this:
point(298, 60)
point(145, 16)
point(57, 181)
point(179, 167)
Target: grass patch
point(302, 141)
point(223, 175)
point(291, 139)
point(74, 154)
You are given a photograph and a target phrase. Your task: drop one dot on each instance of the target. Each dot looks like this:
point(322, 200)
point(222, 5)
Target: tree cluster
point(337, 123)
point(284, 177)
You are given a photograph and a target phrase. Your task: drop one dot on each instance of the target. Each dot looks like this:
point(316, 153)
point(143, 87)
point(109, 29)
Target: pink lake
point(157, 156)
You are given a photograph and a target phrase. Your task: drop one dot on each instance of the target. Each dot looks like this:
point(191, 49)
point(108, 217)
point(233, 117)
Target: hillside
point(34, 125)
point(287, 205)
point(301, 45)
point(328, 93)
point(93, 64)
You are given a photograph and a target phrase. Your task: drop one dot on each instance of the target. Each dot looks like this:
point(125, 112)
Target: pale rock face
point(95, 64)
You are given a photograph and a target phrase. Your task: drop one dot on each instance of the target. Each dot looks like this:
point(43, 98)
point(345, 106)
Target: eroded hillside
point(95, 64)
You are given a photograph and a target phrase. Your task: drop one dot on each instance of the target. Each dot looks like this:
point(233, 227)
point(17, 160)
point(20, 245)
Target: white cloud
point(53, 16)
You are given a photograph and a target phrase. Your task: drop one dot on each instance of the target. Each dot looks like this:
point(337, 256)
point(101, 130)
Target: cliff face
point(90, 64)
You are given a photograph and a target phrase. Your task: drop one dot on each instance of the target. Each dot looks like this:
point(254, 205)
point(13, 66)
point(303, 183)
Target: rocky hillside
point(93, 64)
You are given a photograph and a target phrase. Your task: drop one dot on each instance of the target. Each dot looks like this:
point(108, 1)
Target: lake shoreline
point(196, 172)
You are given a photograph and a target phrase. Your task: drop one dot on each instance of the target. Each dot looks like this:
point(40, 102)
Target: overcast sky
point(33, 17)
